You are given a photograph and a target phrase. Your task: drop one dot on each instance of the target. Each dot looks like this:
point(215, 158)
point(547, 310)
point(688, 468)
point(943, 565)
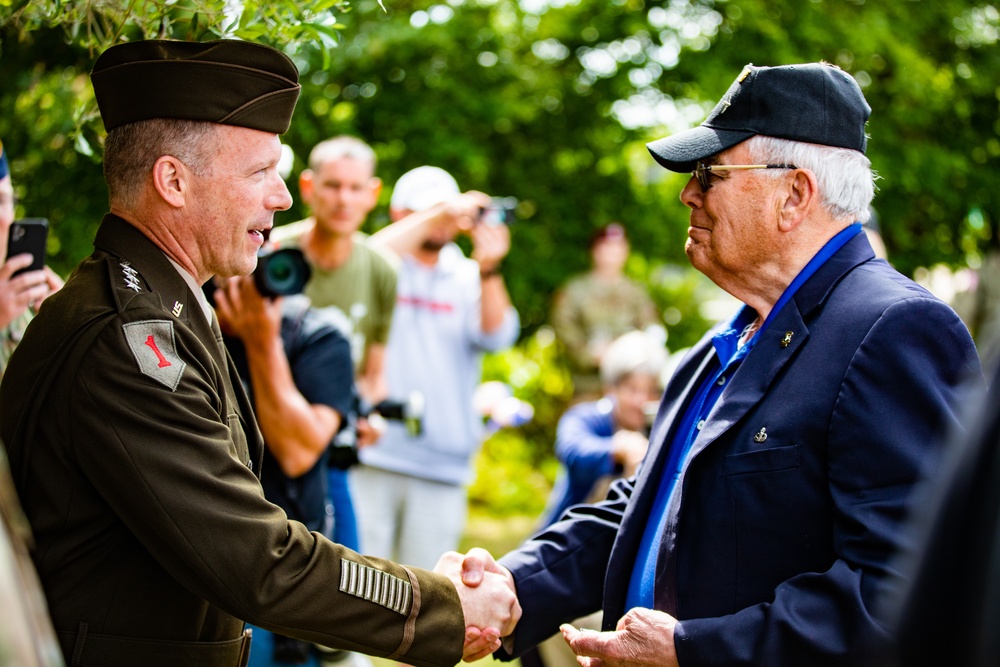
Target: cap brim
point(679, 152)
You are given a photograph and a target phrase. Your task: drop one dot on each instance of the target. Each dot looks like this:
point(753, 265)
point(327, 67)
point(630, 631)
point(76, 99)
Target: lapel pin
point(761, 435)
point(786, 339)
point(178, 307)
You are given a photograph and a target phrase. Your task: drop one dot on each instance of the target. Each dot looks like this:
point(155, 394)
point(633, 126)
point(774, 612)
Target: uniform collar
point(118, 237)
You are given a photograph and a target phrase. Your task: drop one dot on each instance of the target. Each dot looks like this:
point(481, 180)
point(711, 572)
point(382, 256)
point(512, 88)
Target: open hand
point(643, 638)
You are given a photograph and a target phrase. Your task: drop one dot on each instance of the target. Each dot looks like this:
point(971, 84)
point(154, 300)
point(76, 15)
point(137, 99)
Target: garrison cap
point(228, 81)
point(815, 103)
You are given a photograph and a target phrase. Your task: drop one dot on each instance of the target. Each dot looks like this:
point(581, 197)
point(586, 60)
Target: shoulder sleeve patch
point(153, 346)
point(375, 586)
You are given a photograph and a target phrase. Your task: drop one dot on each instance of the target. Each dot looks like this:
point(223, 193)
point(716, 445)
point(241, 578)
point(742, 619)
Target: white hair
point(845, 177)
point(634, 353)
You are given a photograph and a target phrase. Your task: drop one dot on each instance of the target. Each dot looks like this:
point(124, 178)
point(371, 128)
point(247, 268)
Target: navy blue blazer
point(776, 551)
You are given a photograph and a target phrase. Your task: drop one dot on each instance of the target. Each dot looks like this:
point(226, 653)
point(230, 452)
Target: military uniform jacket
point(790, 514)
point(136, 463)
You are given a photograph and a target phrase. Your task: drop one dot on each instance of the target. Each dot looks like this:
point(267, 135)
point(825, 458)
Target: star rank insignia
point(153, 346)
point(131, 276)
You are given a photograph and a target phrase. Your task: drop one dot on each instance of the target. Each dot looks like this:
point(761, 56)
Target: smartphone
point(28, 236)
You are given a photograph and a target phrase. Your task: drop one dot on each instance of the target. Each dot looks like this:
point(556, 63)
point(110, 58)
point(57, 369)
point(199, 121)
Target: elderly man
point(132, 442)
point(763, 524)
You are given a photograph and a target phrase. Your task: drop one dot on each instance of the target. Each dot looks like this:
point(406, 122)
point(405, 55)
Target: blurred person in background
point(594, 308)
point(26, 635)
point(352, 282)
point(450, 309)
point(602, 440)
point(20, 295)
point(296, 367)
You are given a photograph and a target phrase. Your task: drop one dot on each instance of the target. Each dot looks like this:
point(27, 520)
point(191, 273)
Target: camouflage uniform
point(590, 312)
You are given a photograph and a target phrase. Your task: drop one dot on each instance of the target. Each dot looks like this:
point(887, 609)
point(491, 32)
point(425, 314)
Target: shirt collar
point(196, 290)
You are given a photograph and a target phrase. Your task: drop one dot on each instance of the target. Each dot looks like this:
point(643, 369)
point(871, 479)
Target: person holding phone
point(20, 295)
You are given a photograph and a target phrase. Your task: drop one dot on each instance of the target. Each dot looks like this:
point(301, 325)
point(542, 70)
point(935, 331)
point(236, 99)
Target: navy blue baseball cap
point(815, 103)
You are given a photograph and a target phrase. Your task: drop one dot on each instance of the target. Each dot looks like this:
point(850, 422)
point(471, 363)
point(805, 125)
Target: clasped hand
point(488, 596)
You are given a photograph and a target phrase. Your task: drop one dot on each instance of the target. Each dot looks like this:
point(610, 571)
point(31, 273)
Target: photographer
point(296, 366)
point(449, 310)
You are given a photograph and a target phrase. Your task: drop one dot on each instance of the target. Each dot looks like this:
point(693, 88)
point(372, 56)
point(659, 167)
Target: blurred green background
point(550, 101)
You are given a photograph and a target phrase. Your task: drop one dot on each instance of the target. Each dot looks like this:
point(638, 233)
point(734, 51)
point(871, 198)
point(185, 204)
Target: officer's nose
point(280, 198)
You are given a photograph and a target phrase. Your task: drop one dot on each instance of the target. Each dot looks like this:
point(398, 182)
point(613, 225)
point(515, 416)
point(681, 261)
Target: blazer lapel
point(680, 389)
point(775, 348)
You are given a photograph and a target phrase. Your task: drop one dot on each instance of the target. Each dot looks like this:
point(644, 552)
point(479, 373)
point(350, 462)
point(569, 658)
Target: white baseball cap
point(423, 187)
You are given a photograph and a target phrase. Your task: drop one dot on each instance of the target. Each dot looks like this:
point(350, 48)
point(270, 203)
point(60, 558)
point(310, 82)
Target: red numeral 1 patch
point(153, 346)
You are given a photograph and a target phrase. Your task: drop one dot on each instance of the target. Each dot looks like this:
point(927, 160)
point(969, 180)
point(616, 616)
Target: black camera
point(344, 448)
point(281, 272)
point(500, 211)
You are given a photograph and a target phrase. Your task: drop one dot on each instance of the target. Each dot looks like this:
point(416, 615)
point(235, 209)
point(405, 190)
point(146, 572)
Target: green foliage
point(98, 24)
point(550, 101)
point(547, 101)
point(515, 468)
point(684, 297)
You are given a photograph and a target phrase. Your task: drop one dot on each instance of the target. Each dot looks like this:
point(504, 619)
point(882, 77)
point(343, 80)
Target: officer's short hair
point(131, 150)
point(634, 353)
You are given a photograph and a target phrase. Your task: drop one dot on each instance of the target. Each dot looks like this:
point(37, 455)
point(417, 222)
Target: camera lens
point(281, 272)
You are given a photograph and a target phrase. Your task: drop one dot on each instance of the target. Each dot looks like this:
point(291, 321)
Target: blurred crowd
point(361, 356)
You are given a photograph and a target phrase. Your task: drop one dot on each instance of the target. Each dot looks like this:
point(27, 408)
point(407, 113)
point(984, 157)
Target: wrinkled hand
point(644, 638)
point(489, 599)
point(19, 293)
point(243, 312)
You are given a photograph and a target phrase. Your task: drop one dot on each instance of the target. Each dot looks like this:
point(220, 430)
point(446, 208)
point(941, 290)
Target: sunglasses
point(701, 170)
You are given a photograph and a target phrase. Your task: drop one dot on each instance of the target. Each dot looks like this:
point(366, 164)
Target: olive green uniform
point(136, 459)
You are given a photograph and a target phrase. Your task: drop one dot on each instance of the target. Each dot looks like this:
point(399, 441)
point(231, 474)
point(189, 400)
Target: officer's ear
point(171, 178)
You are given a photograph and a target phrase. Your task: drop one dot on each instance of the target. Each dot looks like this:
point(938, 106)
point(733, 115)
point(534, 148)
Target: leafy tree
point(550, 101)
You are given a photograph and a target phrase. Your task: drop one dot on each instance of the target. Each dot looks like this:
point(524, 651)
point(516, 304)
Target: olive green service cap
point(226, 81)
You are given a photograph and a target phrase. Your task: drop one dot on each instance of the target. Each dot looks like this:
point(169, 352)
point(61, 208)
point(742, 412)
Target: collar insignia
point(178, 307)
point(131, 275)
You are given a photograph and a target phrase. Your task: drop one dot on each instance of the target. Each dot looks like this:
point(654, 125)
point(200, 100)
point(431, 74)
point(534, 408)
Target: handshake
point(488, 596)
point(643, 637)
